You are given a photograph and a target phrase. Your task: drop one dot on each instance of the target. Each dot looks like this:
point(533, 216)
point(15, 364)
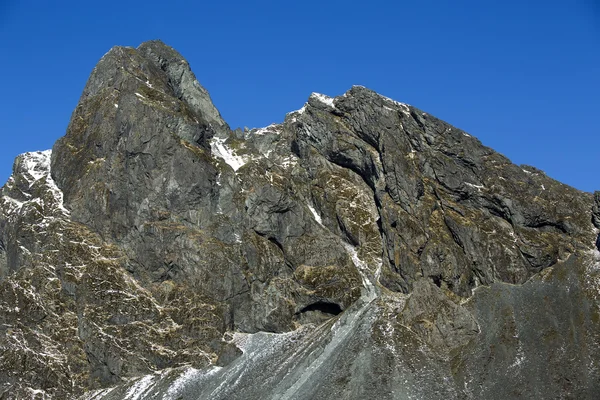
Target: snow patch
point(227, 154)
point(296, 113)
point(519, 357)
point(478, 187)
point(363, 269)
point(315, 214)
point(36, 392)
point(289, 161)
point(139, 388)
point(35, 166)
point(190, 375)
point(263, 131)
point(238, 237)
point(405, 108)
point(323, 99)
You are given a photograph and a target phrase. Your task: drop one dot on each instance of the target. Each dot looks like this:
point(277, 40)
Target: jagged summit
point(361, 248)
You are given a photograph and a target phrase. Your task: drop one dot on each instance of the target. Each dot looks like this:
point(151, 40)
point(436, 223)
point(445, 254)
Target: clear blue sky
point(522, 76)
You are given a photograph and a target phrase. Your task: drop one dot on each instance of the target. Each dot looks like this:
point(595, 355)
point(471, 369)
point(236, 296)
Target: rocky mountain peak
point(360, 247)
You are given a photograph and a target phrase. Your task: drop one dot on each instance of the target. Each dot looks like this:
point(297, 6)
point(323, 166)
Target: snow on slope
point(34, 167)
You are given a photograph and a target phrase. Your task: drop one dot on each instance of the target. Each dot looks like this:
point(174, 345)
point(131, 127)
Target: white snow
point(323, 99)
point(297, 112)
point(403, 106)
point(289, 161)
point(139, 388)
point(221, 150)
point(478, 187)
point(363, 269)
point(97, 161)
point(36, 164)
point(190, 375)
point(593, 269)
point(263, 131)
point(14, 205)
point(240, 339)
point(35, 392)
point(238, 238)
point(315, 214)
point(519, 357)
point(543, 187)
point(34, 167)
point(340, 330)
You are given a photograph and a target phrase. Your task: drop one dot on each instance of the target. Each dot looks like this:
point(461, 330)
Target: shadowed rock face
point(360, 248)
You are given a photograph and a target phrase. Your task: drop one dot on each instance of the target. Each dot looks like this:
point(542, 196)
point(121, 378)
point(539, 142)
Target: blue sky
point(523, 77)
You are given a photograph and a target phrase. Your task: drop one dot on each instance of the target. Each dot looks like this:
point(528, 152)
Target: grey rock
point(360, 248)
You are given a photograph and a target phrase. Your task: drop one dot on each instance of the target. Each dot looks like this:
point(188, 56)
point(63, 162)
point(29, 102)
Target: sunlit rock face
point(360, 249)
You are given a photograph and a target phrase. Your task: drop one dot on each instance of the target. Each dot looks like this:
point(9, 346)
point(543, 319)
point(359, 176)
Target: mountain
point(360, 249)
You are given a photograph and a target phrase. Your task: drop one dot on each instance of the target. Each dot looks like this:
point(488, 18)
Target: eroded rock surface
point(360, 248)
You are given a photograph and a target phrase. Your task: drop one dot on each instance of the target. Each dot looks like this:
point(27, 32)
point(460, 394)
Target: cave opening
point(324, 307)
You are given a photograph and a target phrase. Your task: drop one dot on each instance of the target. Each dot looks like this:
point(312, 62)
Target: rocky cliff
point(361, 248)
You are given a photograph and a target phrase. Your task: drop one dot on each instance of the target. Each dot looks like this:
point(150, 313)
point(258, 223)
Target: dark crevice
point(549, 226)
point(271, 239)
point(437, 280)
point(417, 119)
point(596, 210)
point(170, 273)
point(324, 307)
point(468, 164)
point(449, 224)
point(276, 243)
point(295, 148)
point(497, 209)
point(233, 296)
point(134, 154)
point(529, 258)
point(379, 223)
point(347, 234)
point(368, 172)
point(422, 247)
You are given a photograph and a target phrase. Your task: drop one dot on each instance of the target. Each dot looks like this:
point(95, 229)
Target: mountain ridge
point(360, 246)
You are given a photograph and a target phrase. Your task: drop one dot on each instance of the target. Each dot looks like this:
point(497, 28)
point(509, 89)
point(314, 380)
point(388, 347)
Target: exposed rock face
point(360, 248)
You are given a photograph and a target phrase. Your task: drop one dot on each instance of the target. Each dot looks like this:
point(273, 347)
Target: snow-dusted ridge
point(273, 128)
point(323, 99)
point(34, 167)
